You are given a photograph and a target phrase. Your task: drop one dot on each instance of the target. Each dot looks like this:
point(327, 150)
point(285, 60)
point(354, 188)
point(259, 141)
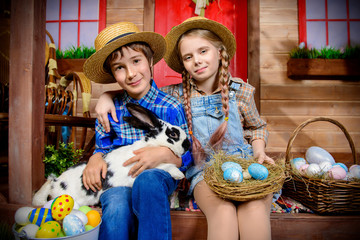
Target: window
point(333, 23)
point(75, 22)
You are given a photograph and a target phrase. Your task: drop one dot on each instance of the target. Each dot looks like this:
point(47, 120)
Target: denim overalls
point(207, 115)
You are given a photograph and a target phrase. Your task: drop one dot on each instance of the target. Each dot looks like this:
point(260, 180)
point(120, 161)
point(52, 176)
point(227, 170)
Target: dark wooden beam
point(26, 99)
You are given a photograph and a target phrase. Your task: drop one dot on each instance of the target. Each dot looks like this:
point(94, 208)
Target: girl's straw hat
point(172, 38)
point(113, 37)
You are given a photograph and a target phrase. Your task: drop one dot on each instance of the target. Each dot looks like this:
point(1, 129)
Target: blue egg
point(227, 165)
point(233, 175)
point(73, 225)
point(258, 171)
point(342, 165)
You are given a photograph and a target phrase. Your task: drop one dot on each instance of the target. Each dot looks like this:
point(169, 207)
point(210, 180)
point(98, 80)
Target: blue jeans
point(141, 212)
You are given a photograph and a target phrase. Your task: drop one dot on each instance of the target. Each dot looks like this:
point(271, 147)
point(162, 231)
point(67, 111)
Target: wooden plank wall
point(286, 103)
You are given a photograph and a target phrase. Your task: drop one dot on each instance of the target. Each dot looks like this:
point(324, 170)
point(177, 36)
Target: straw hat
point(113, 37)
point(172, 38)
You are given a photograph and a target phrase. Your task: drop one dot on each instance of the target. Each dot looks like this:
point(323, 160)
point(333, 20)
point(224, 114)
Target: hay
point(247, 190)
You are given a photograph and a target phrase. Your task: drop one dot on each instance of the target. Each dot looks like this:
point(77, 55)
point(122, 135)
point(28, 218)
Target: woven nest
point(247, 190)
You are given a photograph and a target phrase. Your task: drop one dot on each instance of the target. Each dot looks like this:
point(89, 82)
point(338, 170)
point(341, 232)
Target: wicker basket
point(322, 195)
point(248, 189)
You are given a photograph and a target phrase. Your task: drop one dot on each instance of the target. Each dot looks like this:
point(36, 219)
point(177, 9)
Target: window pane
point(337, 9)
point(69, 32)
point(89, 10)
point(315, 9)
point(69, 10)
point(53, 29)
point(338, 34)
point(354, 33)
point(316, 35)
point(52, 10)
point(354, 9)
point(88, 33)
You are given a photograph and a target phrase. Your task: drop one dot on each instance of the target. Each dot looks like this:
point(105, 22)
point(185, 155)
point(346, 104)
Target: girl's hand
point(262, 157)
point(104, 106)
point(91, 174)
point(151, 157)
point(259, 152)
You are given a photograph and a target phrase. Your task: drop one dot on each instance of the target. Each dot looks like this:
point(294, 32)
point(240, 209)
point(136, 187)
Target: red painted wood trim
point(102, 14)
point(302, 21)
point(78, 23)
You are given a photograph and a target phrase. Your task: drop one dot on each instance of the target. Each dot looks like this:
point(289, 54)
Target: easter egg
point(246, 174)
point(296, 163)
point(233, 175)
point(72, 225)
point(49, 229)
point(313, 170)
point(303, 168)
point(39, 216)
point(227, 165)
point(325, 166)
point(258, 171)
point(82, 216)
point(341, 165)
point(88, 227)
point(21, 215)
point(94, 218)
point(48, 204)
point(355, 171)
point(317, 155)
point(62, 206)
point(337, 172)
point(30, 230)
point(85, 209)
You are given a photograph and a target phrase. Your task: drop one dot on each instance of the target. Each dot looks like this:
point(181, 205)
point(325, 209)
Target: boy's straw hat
point(113, 37)
point(171, 55)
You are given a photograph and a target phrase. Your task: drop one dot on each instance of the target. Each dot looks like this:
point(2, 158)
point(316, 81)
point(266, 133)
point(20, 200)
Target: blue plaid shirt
point(161, 104)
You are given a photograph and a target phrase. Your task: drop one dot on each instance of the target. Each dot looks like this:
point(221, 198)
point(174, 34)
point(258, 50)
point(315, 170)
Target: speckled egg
point(39, 216)
point(72, 225)
point(258, 171)
point(227, 165)
point(62, 206)
point(233, 175)
point(317, 155)
point(296, 163)
point(49, 229)
point(82, 216)
point(22, 215)
point(337, 172)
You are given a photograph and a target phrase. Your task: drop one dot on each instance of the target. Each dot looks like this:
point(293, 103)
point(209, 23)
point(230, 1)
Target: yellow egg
point(62, 207)
point(49, 229)
point(94, 218)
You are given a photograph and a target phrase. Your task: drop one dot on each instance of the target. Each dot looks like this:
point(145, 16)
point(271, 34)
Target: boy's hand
point(151, 157)
point(94, 170)
point(104, 106)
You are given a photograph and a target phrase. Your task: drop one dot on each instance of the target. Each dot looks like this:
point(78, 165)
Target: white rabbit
point(160, 133)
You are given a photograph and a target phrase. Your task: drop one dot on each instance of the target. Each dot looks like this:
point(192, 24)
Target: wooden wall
point(286, 103)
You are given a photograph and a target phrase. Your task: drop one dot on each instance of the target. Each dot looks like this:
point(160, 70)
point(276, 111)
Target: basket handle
point(317, 119)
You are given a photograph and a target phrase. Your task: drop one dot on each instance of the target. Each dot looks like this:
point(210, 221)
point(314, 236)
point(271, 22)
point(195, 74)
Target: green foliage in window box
point(75, 52)
point(58, 160)
point(326, 53)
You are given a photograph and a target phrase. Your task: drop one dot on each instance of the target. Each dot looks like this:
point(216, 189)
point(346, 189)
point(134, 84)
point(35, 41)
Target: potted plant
point(72, 59)
point(326, 63)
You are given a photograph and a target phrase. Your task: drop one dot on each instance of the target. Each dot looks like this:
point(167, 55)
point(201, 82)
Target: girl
point(221, 114)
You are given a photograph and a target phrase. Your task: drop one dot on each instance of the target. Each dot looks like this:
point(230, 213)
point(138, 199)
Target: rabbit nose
point(186, 144)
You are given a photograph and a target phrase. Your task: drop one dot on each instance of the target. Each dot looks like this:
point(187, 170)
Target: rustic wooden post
point(26, 99)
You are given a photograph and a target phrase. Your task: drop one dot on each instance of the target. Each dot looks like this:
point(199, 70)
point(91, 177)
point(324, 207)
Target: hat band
point(120, 36)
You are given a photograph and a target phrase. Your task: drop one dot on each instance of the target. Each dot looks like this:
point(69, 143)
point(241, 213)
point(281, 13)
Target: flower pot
point(323, 68)
point(70, 65)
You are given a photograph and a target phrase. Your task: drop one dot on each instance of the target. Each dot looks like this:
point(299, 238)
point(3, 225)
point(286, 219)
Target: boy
point(126, 56)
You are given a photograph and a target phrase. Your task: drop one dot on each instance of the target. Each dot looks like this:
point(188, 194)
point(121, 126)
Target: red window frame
point(101, 20)
point(303, 20)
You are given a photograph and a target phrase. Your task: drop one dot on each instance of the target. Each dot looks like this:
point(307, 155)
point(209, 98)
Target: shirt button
point(231, 94)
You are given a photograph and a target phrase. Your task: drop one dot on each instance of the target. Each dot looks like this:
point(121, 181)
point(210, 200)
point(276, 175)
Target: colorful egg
point(296, 163)
point(313, 170)
point(337, 173)
point(258, 171)
point(325, 166)
point(62, 206)
point(227, 165)
point(22, 215)
point(72, 225)
point(49, 229)
point(94, 218)
point(30, 230)
point(355, 171)
point(39, 216)
point(88, 227)
point(85, 209)
point(317, 155)
point(82, 216)
point(303, 168)
point(341, 165)
point(233, 175)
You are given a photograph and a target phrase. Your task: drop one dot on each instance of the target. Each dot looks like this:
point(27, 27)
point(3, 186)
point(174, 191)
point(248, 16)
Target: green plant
point(75, 52)
point(326, 52)
point(58, 160)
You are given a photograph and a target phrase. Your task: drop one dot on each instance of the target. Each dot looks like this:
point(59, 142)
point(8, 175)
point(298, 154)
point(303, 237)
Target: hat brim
point(93, 66)
point(172, 38)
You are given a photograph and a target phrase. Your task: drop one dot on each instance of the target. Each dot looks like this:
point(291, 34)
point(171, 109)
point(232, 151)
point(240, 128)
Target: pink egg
point(303, 168)
point(337, 172)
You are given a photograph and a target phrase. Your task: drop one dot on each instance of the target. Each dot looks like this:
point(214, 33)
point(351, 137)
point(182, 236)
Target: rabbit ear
point(141, 118)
